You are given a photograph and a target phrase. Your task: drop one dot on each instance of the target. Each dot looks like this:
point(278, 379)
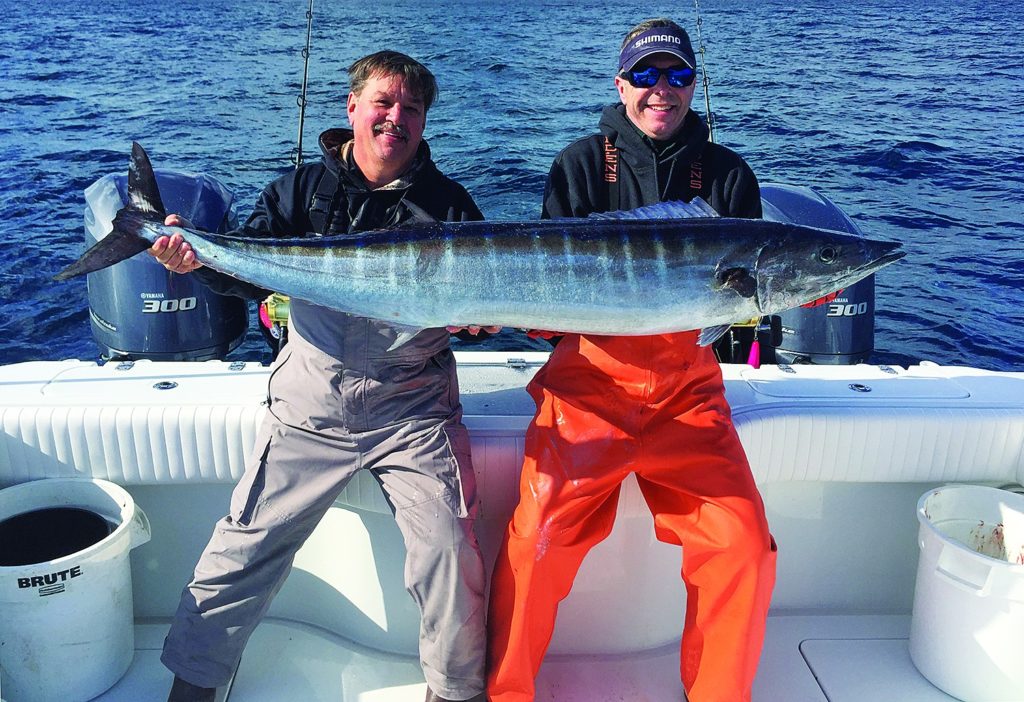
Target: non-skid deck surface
point(806, 659)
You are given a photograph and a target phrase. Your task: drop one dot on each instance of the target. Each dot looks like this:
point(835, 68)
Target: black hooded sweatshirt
point(648, 171)
point(283, 207)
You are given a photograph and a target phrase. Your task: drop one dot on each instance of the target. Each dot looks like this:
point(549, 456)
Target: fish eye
point(828, 254)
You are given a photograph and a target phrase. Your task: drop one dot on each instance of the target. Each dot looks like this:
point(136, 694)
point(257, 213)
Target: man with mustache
point(341, 399)
point(653, 406)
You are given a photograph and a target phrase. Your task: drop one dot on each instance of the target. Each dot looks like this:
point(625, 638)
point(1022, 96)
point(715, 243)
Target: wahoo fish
point(663, 268)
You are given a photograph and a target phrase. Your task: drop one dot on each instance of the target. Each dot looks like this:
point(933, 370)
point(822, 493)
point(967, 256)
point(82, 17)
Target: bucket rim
point(926, 521)
point(111, 541)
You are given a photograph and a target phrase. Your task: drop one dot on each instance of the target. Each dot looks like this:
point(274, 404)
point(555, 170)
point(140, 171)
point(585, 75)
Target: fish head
point(804, 264)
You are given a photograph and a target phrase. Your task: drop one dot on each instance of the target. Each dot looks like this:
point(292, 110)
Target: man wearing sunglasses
point(653, 406)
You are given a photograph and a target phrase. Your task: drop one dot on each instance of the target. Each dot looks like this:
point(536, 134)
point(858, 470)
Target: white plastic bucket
point(967, 631)
point(66, 624)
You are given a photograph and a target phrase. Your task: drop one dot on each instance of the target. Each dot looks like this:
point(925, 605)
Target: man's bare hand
point(474, 329)
point(542, 334)
point(174, 252)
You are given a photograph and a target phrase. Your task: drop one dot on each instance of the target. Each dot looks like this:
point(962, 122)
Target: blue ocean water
point(907, 115)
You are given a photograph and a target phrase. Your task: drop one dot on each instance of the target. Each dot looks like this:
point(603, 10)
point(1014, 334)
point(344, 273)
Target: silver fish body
point(627, 275)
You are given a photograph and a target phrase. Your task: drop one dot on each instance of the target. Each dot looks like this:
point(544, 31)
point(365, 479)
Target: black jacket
point(649, 171)
point(283, 207)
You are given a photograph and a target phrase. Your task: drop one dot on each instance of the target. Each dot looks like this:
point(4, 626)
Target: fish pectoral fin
point(404, 335)
point(675, 209)
point(710, 335)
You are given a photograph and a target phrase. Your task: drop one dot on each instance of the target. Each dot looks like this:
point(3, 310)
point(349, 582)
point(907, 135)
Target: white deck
point(806, 659)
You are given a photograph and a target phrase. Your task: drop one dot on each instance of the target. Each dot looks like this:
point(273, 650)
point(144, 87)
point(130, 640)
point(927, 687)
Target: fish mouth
point(893, 252)
point(891, 258)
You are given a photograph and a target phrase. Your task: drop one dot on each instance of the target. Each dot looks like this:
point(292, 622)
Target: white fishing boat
point(841, 454)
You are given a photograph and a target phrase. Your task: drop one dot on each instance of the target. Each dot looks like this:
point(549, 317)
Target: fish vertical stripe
point(628, 264)
point(605, 263)
point(569, 261)
point(448, 260)
point(359, 264)
point(392, 257)
point(660, 261)
point(540, 265)
point(411, 279)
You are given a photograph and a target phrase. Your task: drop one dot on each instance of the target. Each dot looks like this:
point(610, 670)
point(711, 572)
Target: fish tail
point(126, 239)
point(122, 243)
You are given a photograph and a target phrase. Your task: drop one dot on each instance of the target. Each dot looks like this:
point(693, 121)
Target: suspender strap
point(696, 177)
point(323, 197)
point(610, 169)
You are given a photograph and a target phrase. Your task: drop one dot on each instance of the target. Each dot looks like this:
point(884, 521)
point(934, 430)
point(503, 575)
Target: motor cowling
point(137, 308)
point(838, 329)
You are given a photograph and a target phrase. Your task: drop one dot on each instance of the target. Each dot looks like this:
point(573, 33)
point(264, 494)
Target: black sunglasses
point(648, 77)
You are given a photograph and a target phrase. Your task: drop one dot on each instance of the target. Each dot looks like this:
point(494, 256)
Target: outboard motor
point(139, 309)
point(832, 331)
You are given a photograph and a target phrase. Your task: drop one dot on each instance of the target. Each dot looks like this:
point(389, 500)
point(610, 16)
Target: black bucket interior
point(47, 534)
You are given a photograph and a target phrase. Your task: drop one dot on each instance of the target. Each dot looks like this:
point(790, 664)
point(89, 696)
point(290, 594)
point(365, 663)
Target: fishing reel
point(273, 315)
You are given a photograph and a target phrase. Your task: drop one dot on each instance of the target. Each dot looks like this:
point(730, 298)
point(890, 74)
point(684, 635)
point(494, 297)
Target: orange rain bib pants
point(654, 406)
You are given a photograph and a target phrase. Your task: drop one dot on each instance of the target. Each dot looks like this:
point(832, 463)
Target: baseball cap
point(657, 40)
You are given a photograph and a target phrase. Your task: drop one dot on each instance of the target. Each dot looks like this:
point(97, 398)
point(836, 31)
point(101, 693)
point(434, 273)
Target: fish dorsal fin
point(676, 209)
point(143, 192)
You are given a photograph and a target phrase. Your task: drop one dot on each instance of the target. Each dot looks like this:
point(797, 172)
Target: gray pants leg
point(443, 557)
point(290, 482)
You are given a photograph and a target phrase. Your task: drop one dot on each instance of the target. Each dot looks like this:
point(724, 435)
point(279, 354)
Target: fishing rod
point(704, 69)
point(274, 310)
point(301, 101)
point(771, 324)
